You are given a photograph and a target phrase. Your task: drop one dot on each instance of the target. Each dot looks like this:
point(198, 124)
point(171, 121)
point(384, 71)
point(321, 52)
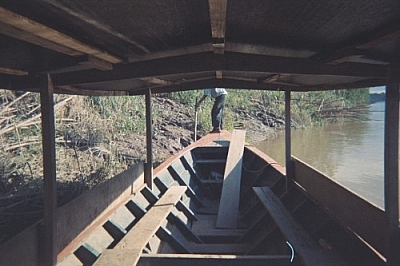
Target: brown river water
point(349, 152)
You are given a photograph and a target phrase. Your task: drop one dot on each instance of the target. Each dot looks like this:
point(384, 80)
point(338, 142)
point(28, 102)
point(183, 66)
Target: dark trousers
point(217, 112)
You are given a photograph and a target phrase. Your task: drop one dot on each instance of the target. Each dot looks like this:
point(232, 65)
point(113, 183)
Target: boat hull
point(280, 221)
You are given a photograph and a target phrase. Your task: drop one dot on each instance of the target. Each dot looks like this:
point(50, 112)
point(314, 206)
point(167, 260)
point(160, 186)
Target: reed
point(98, 137)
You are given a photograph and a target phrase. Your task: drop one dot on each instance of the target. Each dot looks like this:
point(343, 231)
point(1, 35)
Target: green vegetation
point(127, 114)
point(98, 137)
point(307, 108)
point(93, 134)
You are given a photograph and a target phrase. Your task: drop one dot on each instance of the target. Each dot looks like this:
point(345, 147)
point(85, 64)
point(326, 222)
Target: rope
point(292, 250)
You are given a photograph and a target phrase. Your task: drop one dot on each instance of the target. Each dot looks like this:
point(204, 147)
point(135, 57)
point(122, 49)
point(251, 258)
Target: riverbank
point(99, 137)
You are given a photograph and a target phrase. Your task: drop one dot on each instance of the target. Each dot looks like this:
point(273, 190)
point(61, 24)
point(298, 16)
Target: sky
point(379, 89)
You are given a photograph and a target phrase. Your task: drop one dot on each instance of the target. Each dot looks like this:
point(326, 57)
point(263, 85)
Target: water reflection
point(350, 152)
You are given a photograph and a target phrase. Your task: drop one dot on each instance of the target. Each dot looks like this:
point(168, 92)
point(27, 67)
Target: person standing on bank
point(217, 110)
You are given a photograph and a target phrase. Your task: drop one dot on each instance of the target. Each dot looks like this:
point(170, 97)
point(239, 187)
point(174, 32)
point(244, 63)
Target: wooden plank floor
point(230, 196)
point(205, 229)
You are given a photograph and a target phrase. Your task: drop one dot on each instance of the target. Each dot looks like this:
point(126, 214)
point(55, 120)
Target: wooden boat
point(218, 202)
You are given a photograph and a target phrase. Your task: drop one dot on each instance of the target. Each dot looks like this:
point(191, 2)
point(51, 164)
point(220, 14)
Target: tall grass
point(88, 129)
point(304, 105)
point(126, 113)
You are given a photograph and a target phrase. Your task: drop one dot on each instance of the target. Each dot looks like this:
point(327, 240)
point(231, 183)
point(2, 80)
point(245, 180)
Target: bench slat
point(137, 238)
point(218, 248)
point(303, 244)
point(212, 260)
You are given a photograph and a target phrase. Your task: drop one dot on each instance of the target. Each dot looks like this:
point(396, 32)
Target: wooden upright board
point(229, 203)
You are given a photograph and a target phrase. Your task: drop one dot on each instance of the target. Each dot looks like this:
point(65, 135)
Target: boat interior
point(178, 221)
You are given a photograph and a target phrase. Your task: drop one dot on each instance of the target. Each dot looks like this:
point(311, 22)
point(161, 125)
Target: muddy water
point(350, 152)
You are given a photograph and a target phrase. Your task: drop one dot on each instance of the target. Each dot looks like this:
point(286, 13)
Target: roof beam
point(257, 63)
point(276, 80)
point(267, 50)
point(97, 63)
point(217, 10)
point(201, 48)
point(182, 82)
point(10, 71)
point(46, 37)
point(210, 62)
point(71, 64)
point(153, 80)
point(357, 48)
point(25, 36)
point(391, 36)
point(206, 83)
point(251, 85)
point(106, 29)
point(80, 91)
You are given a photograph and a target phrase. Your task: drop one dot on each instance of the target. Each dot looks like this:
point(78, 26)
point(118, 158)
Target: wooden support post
point(48, 249)
point(148, 171)
point(288, 138)
point(392, 165)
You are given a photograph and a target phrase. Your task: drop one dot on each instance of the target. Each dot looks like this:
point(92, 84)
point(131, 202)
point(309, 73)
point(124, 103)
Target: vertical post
point(148, 171)
point(288, 138)
point(391, 164)
point(49, 172)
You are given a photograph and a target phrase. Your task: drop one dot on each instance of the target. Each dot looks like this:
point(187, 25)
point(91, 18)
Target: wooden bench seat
point(232, 249)
point(304, 246)
point(210, 161)
point(129, 249)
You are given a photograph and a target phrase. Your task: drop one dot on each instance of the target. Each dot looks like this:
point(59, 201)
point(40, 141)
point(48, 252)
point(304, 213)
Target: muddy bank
point(173, 129)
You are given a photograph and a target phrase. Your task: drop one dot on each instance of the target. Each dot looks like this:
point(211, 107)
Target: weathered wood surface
point(148, 168)
point(208, 161)
point(392, 166)
point(229, 203)
point(218, 248)
point(206, 140)
point(119, 257)
point(367, 220)
point(303, 244)
point(137, 238)
point(204, 228)
point(71, 45)
point(212, 260)
point(99, 202)
point(49, 172)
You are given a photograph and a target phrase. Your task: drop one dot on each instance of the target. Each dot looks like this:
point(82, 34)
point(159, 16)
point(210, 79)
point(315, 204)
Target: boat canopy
point(125, 47)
